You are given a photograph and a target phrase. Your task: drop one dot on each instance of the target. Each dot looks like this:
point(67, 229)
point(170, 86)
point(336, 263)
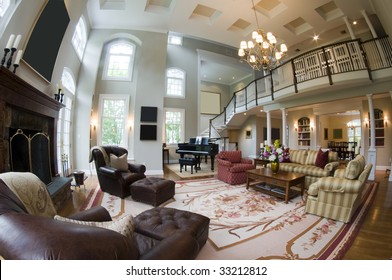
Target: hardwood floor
point(374, 241)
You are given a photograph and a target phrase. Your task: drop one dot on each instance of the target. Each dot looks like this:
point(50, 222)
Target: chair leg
point(191, 169)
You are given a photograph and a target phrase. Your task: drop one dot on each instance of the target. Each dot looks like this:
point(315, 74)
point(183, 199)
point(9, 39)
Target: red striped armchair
point(232, 167)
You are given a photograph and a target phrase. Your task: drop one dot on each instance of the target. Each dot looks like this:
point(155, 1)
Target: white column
point(317, 132)
point(284, 127)
point(369, 23)
point(372, 152)
point(269, 128)
point(350, 30)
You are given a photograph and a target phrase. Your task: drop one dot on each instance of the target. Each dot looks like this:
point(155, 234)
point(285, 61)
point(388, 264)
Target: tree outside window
point(113, 112)
point(174, 126)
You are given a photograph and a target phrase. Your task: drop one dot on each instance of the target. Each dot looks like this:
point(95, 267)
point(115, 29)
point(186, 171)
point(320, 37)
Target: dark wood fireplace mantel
point(18, 96)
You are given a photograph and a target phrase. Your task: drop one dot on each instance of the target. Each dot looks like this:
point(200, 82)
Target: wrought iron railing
point(327, 61)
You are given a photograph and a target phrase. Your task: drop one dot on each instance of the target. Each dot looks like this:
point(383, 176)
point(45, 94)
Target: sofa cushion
point(298, 156)
point(123, 225)
point(120, 163)
point(311, 158)
point(311, 170)
point(322, 159)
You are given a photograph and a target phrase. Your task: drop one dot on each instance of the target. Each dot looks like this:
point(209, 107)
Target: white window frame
point(64, 138)
point(130, 65)
point(102, 98)
point(182, 134)
point(182, 82)
point(79, 38)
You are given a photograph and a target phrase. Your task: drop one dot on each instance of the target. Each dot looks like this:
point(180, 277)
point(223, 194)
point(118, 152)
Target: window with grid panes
point(175, 83)
point(174, 125)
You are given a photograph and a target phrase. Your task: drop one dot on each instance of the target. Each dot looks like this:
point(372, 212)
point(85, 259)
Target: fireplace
point(25, 108)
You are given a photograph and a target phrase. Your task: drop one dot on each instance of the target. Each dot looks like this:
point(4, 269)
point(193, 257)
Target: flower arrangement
point(276, 152)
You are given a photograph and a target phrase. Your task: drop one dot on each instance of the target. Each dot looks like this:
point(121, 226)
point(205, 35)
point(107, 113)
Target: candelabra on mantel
point(11, 47)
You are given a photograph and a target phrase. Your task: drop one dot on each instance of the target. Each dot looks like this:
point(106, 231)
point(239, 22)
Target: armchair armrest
point(246, 160)
point(40, 238)
point(179, 246)
point(331, 166)
point(338, 185)
point(224, 162)
point(136, 168)
point(97, 214)
point(110, 171)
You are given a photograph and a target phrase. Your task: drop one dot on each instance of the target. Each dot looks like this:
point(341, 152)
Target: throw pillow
point(120, 163)
point(321, 159)
point(124, 225)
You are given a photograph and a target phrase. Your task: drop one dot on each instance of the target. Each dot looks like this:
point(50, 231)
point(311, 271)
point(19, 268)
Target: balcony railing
point(327, 61)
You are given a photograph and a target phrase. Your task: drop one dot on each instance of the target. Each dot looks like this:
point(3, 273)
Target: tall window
point(79, 38)
point(354, 131)
point(4, 5)
point(119, 61)
point(113, 113)
point(64, 124)
point(175, 83)
point(174, 125)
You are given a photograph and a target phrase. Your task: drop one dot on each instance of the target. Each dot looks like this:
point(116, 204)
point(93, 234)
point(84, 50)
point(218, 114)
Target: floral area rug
point(247, 224)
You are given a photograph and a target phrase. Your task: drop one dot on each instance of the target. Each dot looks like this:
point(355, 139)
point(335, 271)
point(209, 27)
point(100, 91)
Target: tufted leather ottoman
point(160, 223)
point(152, 190)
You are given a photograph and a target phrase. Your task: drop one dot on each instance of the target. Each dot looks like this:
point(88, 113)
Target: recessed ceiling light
point(355, 22)
point(315, 37)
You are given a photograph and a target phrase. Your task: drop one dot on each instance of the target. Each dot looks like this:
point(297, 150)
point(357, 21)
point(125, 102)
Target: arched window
point(79, 38)
point(64, 123)
point(175, 83)
point(68, 80)
point(119, 61)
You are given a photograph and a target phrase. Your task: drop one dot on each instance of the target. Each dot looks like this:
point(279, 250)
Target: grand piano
point(198, 147)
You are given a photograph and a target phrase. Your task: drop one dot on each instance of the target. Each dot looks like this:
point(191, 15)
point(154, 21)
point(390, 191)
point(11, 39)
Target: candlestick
point(6, 51)
point(15, 66)
point(9, 62)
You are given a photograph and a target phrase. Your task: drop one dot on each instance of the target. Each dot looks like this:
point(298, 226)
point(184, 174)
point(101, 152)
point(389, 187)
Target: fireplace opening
point(31, 153)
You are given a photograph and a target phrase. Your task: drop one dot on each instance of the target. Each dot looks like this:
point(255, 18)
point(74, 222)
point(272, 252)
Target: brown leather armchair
point(112, 179)
point(37, 236)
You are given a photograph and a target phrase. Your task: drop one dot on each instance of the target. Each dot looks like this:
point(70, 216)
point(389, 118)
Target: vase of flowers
point(275, 153)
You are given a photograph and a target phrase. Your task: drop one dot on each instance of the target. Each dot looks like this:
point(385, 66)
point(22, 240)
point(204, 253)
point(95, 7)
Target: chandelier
point(262, 53)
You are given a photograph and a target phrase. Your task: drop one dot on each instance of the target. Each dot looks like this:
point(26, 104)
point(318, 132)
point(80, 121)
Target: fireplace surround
point(23, 107)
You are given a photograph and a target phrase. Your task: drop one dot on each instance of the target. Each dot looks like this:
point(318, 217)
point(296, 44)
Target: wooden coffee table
point(278, 185)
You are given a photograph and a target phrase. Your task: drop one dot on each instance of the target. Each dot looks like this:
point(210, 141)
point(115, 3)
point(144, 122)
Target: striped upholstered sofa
point(308, 162)
point(339, 196)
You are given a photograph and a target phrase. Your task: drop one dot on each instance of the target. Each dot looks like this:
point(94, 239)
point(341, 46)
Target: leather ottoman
point(161, 223)
point(152, 190)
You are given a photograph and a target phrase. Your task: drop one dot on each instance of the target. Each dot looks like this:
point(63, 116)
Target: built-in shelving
point(304, 131)
point(379, 127)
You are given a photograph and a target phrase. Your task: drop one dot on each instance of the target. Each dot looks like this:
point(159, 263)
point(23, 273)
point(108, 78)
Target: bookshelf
point(379, 127)
point(304, 131)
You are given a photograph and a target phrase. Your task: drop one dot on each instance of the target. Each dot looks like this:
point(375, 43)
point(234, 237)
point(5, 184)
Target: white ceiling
point(228, 22)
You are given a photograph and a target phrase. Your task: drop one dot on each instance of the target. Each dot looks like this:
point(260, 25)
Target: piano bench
point(188, 161)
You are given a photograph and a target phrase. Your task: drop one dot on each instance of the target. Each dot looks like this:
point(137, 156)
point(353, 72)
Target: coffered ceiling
point(227, 22)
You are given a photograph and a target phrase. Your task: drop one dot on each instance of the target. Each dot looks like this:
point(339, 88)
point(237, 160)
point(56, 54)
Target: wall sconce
point(93, 124)
point(296, 127)
point(386, 121)
point(366, 122)
point(311, 126)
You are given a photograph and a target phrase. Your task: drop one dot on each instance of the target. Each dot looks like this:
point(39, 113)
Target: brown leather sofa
point(160, 233)
point(114, 180)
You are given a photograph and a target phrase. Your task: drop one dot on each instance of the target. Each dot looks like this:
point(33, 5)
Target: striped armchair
point(338, 197)
point(232, 167)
